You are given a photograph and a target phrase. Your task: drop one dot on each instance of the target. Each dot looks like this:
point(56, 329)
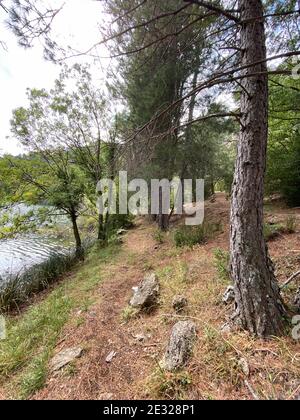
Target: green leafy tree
point(56, 180)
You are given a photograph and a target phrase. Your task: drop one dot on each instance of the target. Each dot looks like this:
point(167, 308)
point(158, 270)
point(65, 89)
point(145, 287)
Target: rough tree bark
point(79, 250)
point(259, 308)
point(101, 230)
point(162, 219)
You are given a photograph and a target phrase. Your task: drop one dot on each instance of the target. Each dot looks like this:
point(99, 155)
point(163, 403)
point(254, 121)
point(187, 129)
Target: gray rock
point(110, 356)
point(179, 303)
point(272, 220)
point(65, 357)
point(226, 328)
point(244, 366)
point(180, 345)
point(106, 396)
point(121, 231)
point(146, 294)
point(228, 296)
point(140, 337)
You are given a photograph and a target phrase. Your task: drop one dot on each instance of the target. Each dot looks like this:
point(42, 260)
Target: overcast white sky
point(75, 25)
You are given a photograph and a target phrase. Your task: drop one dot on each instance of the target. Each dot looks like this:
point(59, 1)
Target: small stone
point(297, 300)
point(180, 345)
point(65, 357)
point(179, 303)
point(273, 220)
point(121, 231)
point(146, 294)
point(226, 328)
point(140, 337)
point(228, 296)
point(110, 356)
point(106, 396)
point(244, 366)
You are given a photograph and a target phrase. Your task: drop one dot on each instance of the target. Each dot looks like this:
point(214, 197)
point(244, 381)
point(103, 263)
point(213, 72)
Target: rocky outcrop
point(180, 345)
point(146, 294)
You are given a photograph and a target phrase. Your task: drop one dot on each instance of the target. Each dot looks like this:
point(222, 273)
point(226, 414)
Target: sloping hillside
point(94, 300)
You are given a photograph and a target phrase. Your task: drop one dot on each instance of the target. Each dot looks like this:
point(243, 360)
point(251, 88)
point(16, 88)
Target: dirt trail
point(103, 331)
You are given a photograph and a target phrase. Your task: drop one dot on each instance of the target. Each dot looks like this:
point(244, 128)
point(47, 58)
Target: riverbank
point(89, 308)
point(33, 335)
point(31, 261)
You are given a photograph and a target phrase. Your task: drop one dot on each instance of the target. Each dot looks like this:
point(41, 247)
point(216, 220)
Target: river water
point(17, 255)
point(26, 250)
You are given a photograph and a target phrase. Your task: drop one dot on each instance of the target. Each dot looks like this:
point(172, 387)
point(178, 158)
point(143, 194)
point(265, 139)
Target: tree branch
point(208, 117)
point(289, 280)
point(215, 9)
point(3, 7)
point(219, 78)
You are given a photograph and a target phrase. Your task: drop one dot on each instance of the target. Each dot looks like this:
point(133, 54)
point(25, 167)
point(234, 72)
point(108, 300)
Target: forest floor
point(89, 308)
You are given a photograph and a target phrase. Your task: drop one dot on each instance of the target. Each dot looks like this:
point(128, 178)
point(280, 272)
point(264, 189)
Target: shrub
point(158, 236)
point(272, 232)
point(169, 385)
point(221, 263)
point(193, 235)
point(128, 313)
point(291, 224)
point(118, 221)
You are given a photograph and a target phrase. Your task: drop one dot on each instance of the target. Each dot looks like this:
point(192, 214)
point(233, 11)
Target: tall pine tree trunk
point(259, 308)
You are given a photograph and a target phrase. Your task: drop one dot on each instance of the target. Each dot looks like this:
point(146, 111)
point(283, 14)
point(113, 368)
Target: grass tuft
point(168, 385)
point(194, 235)
point(291, 224)
point(128, 313)
point(158, 236)
point(221, 263)
point(19, 287)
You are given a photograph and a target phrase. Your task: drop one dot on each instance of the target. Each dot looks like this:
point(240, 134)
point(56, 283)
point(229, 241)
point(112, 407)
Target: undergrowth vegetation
point(221, 263)
point(193, 235)
point(17, 288)
point(273, 231)
point(169, 385)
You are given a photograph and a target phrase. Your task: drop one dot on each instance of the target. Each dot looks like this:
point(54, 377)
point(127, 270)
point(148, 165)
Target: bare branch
point(208, 117)
point(215, 9)
point(221, 78)
point(4, 7)
point(290, 279)
point(131, 28)
point(129, 11)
